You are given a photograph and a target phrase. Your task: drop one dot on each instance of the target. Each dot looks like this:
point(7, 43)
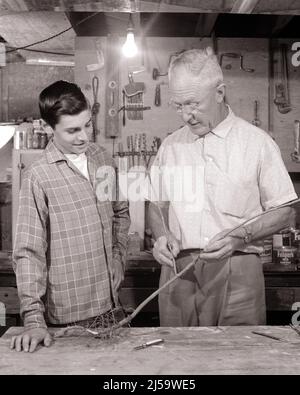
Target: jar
point(36, 140)
point(43, 140)
point(29, 139)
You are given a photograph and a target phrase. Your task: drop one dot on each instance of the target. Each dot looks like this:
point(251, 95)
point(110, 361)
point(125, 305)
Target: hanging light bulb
point(129, 48)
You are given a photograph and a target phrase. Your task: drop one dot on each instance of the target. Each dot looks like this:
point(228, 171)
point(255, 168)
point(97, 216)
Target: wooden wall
point(284, 123)
point(21, 85)
point(242, 87)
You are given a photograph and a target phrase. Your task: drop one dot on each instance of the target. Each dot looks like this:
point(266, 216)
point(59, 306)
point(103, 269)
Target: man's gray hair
point(199, 62)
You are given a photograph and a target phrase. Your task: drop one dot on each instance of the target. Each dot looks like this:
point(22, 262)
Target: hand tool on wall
point(100, 58)
point(124, 111)
point(95, 107)
point(157, 96)
point(137, 149)
point(137, 153)
point(156, 73)
point(134, 97)
point(234, 55)
point(296, 155)
point(282, 99)
point(143, 149)
point(129, 153)
point(112, 85)
point(256, 120)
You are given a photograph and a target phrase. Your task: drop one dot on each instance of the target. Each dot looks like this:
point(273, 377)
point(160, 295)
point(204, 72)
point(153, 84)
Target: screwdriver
point(266, 335)
point(149, 344)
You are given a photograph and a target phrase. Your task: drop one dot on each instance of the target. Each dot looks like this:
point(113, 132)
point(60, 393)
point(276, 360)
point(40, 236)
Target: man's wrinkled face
point(195, 100)
point(71, 134)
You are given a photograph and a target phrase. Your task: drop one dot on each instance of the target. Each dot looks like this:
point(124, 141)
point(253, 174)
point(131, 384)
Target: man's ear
point(220, 93)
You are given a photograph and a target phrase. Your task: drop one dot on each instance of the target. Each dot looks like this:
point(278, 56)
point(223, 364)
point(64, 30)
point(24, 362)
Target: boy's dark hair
point(61, 98)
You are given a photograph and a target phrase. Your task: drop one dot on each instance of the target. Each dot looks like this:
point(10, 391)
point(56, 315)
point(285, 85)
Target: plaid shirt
point(66, 240)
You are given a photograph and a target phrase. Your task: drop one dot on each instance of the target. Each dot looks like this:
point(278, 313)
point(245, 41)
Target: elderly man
point(236, 172)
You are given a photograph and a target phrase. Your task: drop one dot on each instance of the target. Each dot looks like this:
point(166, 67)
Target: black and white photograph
point(149, 190)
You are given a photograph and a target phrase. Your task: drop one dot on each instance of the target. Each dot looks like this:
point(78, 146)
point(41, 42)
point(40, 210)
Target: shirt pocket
point(234, 199)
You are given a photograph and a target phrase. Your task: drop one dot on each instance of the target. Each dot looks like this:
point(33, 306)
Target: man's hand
point(30, 339)
point(165, 249)
point(222, 246)
point(117, 272)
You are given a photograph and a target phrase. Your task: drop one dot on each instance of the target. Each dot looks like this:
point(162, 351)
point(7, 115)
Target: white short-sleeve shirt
point(218, 181)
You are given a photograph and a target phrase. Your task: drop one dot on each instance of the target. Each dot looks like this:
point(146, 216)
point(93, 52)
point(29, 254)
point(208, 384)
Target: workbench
point(142, 278)
point(192, 351)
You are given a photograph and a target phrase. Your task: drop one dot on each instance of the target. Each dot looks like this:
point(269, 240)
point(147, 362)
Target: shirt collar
point(53, 154)
point(223, 128)
point(76, 158)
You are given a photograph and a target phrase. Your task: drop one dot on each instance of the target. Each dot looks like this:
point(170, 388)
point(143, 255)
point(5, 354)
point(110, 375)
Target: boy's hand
point(30, 339)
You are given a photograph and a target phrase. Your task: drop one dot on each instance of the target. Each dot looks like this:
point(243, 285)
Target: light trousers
point(223, 292)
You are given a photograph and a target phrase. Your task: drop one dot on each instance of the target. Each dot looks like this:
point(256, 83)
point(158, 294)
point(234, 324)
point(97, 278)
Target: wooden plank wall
point(242, 87)
point(21, 85)
point(284, 123)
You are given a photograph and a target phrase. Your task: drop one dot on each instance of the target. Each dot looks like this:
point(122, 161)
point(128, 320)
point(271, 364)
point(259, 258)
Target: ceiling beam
point(205, 25)
point(244, 6)
point(281, 22)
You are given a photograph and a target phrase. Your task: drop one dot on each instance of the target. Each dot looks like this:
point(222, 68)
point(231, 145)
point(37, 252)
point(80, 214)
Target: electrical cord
point(55, 35)
point(44, 51)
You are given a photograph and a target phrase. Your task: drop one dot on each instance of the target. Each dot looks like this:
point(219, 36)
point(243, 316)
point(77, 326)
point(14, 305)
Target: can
point(277, 240)
point(282, 239)
point(285, 255)
point(295, 237)
point(286, 238)
point(266, 255)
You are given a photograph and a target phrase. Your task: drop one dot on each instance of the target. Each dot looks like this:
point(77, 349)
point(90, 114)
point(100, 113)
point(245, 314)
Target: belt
point(189, 251)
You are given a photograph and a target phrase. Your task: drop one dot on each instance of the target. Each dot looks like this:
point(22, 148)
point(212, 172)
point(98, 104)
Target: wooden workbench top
point(195, 350)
